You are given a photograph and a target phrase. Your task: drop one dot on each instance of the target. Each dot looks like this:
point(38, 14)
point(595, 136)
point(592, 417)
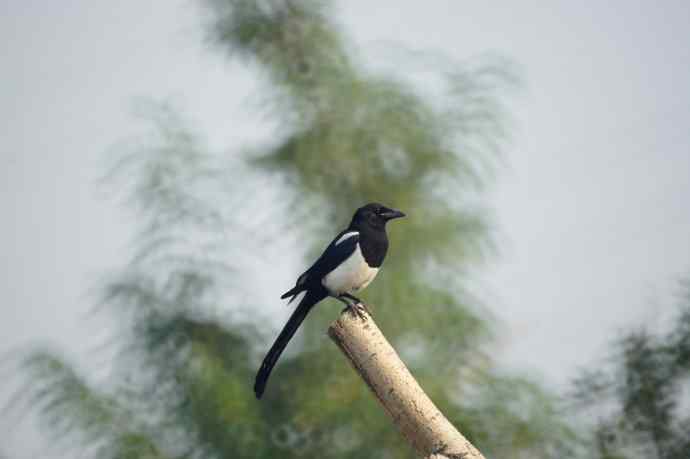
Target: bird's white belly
point(352, 275)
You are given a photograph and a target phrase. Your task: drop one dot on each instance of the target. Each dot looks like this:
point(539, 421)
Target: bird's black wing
point(342, 246)
point(337, 252)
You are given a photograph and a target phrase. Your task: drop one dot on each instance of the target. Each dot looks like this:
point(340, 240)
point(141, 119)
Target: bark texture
point(421, 423)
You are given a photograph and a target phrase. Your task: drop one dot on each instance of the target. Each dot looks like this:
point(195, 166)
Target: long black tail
point(309, 300)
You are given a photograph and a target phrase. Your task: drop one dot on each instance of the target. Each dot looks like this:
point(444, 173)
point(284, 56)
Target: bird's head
point(374, 215)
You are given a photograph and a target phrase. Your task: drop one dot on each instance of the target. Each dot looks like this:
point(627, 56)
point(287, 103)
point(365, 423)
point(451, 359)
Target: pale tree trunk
point(421, 423)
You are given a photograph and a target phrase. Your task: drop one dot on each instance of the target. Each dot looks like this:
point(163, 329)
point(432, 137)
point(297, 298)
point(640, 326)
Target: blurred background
point(170, 167)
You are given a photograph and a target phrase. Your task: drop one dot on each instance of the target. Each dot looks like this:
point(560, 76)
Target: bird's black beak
point(390, 214)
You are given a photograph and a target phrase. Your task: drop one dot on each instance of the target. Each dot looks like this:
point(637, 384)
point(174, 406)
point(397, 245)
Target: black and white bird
point(348, 265)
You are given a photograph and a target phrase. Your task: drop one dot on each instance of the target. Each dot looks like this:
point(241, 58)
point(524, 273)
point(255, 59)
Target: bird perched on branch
point(348, 265)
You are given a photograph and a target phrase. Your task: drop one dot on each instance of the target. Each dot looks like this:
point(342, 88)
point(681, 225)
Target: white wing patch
point(351, 275)
point(345, 236)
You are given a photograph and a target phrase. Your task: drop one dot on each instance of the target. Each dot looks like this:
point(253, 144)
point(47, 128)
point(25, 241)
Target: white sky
point(593, 209)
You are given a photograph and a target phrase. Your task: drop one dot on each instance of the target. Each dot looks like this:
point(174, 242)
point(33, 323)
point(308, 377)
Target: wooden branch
point(415, 415)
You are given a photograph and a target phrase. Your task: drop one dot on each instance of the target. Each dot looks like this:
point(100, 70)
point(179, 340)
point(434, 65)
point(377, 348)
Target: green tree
point(638, 398)
point(344, 136)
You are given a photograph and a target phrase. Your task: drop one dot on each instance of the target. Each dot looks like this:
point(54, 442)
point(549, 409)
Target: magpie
point(348, 265)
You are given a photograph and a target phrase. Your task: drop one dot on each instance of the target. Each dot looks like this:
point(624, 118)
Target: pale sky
point(592, 208)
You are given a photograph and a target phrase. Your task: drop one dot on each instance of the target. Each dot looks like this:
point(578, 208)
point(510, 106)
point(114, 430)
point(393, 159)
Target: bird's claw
point(359, 310)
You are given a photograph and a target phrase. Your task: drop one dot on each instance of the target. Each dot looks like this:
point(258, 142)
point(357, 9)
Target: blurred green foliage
point(637, 401)
point(345, 136)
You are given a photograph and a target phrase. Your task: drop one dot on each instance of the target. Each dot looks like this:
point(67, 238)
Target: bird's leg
point(342, 299)
point(352, 307)
point(355, 309)
point(352, 297)
point(358, 303)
